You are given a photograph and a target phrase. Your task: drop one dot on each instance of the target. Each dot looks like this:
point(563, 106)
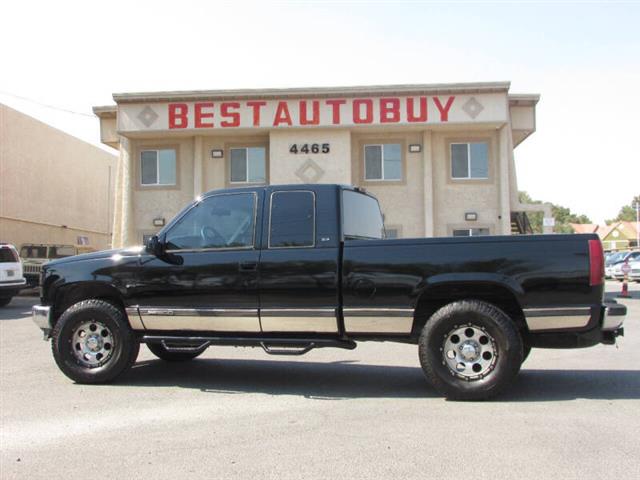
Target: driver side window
point(221, 221)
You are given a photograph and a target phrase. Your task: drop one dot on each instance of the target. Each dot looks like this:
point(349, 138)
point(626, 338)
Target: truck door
point(209, 278)
point(299, 261)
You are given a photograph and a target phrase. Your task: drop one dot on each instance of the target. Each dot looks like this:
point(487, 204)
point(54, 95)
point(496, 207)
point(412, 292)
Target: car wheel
point(5, 301)
point(92, 342)
point(162, 353)
point(526, 350)
point(470, 350)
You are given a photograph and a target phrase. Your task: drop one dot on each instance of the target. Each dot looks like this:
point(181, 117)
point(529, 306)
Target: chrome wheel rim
point(469, 352)
point(92, 343)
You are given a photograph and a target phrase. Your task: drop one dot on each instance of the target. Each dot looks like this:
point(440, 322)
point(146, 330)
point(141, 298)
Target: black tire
point(122, 354)
point(163, 354)
point(485, 318)
point(5, 301)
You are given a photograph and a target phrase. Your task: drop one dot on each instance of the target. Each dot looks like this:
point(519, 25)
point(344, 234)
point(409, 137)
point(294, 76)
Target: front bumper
point(41, 315)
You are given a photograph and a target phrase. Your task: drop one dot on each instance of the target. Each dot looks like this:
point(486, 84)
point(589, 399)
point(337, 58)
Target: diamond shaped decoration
point(472, 107)
point(147, 116)
point(309, 172)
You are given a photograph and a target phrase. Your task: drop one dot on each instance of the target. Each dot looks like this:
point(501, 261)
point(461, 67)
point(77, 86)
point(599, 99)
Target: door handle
point(248, 266)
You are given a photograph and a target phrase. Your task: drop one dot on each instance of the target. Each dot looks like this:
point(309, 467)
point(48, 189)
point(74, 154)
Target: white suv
point(11, 278)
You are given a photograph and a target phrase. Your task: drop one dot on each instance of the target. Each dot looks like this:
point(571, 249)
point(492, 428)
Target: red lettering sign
point(202, 116)
point(178, 115)
point(444, 111)
point(282, 115)
point(411, 116)
point(389, 110)
point(335, 110)
point(357, 111)
point(315, 119)
point(256, 106)
point(226, 112)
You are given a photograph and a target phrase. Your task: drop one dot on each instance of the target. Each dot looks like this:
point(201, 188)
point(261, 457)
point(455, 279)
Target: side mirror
point(155, 246)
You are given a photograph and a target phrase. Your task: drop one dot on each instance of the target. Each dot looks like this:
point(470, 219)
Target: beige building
point(54, 188)
point(439, 157)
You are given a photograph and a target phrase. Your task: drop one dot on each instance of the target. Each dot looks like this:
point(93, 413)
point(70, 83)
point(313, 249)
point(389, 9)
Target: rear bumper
point(604, 326)
point(12, 287)
point(41, 315)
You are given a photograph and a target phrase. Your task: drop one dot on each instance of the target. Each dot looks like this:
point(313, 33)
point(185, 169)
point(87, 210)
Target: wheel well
point(72, 294)
point(436, 297)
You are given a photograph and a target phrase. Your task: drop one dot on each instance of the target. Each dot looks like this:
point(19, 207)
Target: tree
point(627, 213)
point(563, 216)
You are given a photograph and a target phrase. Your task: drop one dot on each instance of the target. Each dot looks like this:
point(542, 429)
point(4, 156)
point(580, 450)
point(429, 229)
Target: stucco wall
point(50, 179)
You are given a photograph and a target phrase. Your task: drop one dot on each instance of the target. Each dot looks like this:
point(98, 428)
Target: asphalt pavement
point(366, 413)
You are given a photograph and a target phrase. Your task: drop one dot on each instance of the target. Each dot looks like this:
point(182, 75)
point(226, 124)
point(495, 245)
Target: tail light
point(596, 263)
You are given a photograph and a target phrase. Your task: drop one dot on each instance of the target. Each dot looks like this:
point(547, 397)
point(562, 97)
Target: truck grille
point(31, 268)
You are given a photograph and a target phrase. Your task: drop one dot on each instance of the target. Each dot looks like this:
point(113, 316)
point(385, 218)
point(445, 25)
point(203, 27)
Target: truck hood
point(116, 254)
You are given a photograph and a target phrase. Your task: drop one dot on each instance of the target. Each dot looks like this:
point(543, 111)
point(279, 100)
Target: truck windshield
point(362, 219)
point(61, 251)
point(33, 251)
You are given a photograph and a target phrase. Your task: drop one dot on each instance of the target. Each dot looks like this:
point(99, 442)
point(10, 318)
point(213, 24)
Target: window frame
point(468, 144)
point(157, 150)
point(381, 145)
point(214, 249)
point(247, 181)
point(315, 217)
point(470, 230)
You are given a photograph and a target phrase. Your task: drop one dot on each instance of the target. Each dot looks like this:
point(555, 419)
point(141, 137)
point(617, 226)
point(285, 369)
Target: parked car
point(11, 279)
point(634, 274)
point(297, 267)
point(35, 255)
point(616, 269)
point(611, 260)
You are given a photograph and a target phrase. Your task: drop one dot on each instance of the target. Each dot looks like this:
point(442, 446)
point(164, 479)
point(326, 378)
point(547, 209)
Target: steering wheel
point(211, 236)
point(241, 229)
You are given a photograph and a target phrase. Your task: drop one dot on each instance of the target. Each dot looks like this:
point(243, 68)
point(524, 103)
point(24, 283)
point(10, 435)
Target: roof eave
point(439, 88)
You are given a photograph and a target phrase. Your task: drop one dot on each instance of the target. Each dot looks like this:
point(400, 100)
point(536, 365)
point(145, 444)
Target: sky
point(583, 58)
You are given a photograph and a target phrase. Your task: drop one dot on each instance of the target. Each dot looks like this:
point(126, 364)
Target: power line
point(52, 107)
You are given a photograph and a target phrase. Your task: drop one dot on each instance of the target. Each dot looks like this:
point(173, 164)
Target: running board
point(272, 346)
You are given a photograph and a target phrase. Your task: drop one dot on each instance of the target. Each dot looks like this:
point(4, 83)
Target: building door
point(208, 280)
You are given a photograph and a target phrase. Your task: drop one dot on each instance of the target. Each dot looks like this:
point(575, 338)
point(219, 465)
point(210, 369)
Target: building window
point(391, 232)
point(292, 220)
point(383, 162)
point(158, 167)
point(470, 232)
point(470, 160)
point(248, 165)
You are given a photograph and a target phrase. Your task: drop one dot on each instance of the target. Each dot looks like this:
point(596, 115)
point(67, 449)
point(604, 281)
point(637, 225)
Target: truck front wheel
point(470, 350)
point(92, 342)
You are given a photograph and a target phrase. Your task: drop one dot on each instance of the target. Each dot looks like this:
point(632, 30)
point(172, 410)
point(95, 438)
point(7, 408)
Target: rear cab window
point(8, 255)
point(292, 219)
point(361, 217)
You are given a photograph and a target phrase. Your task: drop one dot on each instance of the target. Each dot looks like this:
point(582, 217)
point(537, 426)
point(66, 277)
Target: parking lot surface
point(367, 413)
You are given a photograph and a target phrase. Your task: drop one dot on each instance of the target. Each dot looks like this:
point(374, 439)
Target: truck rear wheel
point(92, 342)
point(470, 350)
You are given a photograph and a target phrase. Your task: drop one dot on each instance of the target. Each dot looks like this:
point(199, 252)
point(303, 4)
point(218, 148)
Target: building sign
point(330, 112)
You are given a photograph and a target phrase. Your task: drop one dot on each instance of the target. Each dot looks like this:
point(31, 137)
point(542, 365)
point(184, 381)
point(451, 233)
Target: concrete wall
point(53, 187)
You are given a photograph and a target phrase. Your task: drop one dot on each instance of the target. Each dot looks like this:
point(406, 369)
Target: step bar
point(272, 346)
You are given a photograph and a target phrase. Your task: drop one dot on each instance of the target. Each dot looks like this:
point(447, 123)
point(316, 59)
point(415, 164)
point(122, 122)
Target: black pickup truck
point(296, 267)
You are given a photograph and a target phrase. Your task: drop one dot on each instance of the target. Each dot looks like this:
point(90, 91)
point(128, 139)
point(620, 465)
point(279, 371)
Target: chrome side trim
point(134, 318)
point(557, 318)
point(378, 320)
point(319, 320)
point(201, 319)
